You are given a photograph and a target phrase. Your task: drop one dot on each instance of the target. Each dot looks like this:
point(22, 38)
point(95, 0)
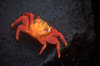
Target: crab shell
point(40, 28)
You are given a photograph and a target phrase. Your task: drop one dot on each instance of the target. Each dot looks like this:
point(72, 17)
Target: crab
point(40, 30)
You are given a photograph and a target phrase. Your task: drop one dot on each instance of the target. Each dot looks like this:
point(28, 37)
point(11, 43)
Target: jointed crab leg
point(17, 21)
point(31, 17)
point(58, 48)
point(43, 42)
point(21, 28)
point(62, 38)
point(24, 19)
point(52, 39)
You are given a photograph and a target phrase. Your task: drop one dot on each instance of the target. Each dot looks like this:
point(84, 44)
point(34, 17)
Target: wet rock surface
point(73, 18)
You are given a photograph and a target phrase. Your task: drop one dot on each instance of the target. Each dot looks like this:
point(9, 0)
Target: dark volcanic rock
point(73, 18)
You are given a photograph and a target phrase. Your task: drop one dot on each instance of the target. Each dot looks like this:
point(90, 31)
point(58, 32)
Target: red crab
point(39, 30)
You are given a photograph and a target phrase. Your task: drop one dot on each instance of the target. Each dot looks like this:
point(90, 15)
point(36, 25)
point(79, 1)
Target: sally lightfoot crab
point(39, 30)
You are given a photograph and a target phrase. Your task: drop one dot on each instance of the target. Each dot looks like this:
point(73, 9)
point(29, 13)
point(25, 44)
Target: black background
point(75, 19)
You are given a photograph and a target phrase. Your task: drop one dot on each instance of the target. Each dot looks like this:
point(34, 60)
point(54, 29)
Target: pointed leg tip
point(12, 26)
point(65, 44)
point(58, 57)
point(17, 39)
point(39, 53)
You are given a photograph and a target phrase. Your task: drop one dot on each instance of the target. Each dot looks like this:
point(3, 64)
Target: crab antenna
point(38, 17)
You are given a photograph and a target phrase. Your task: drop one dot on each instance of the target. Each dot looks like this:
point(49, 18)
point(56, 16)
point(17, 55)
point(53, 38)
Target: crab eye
point(49, 30)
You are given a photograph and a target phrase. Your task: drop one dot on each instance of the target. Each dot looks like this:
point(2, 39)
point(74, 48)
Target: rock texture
point(73, 18)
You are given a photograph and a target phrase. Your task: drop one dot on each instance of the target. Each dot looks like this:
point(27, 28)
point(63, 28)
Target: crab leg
point(53, 40)
point(31, 17)
point(62, 38)
point(21, 28)
point(58, 48)
point(43, 42)
point(17, 21)
point(24, 20)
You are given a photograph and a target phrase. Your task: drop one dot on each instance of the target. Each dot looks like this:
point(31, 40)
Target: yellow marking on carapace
point(38, 28)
